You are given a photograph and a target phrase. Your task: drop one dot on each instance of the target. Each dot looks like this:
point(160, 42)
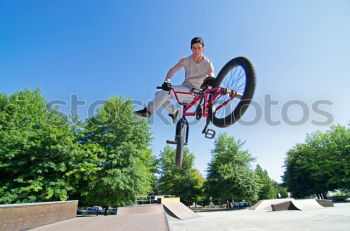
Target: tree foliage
point(282, 190)
point(267, 189)
point(321, 164)
point(45, 156)
point(186, 182)
point(229, 173)
point(127, 169)
point(40, 159)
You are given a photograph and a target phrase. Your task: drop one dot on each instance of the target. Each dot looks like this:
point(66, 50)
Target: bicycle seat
point(195, 90)
point(208, 82)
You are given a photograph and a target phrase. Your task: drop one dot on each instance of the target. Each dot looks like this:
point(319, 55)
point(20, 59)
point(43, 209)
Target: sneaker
point(174, 115)
point(143, 113)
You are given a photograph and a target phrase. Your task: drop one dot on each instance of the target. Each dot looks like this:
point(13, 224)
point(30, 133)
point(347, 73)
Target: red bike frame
point(208, 101)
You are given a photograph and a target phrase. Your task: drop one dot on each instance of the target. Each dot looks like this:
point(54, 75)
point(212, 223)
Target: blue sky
point(101, 49)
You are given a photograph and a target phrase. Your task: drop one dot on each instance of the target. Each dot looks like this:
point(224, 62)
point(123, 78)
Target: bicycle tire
point(180, 140)
point(236, 112)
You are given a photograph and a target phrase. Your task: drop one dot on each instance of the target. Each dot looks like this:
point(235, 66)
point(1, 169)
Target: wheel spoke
point(234, 80)
point(234, 76)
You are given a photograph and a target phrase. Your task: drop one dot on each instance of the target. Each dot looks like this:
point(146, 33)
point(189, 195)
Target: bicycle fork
point(179, 126)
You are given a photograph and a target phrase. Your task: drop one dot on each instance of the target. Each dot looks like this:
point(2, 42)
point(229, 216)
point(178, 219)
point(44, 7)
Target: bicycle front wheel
point(237, 75)
point(180, 140)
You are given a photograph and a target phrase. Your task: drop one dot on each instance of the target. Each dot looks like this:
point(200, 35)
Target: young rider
point(197, 69)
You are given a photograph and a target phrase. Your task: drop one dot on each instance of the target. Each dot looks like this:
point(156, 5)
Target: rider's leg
point(162, 98)
point(184, 98)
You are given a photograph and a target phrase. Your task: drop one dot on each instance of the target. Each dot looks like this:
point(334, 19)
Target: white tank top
point(195, 73)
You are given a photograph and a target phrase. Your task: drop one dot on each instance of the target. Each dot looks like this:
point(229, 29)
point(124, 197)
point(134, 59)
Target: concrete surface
point(141, 209)
point(177, 210)
point(132, 222)
point(306, 204)
point(335, 218)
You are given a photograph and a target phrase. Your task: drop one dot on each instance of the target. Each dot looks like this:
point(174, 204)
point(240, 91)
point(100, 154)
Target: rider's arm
point(211, 70)
point(174, 69)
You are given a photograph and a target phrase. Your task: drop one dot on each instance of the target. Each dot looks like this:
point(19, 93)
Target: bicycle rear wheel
point(237, 75)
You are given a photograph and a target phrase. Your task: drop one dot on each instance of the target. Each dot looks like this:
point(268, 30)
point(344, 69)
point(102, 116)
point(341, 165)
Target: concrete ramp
point(325, 203)
point(142, 217)
point(307, 204)
point(142, 222)
point(133, 218)
point(179, 211)
point(141, 209)
point(130, 222)
point(174, 208)
point(265, 205)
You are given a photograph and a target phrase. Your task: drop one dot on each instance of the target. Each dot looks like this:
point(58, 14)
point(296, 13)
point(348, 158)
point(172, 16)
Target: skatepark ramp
point(142, 217)
point(179, 210)
point(265, 205)
point(290, 204)
point(128, 222)
point(142, 222)
point(153, 216)
point(171, 206)
point(307, 204)
point(140, 209)
point(325, 203)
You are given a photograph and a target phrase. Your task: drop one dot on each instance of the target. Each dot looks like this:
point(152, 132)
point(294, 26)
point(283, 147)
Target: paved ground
point(335, 218)
point(132, 222)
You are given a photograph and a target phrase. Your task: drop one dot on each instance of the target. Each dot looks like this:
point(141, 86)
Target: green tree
point(319, 165)
point(229, 173)
point(127, 169)
point(186, 182)
point(267, 186)
point(40, 159)
point(297, 176)
point(281, 189)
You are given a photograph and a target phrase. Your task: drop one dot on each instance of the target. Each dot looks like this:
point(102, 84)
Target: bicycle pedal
point(209, 133)
point(171, 142)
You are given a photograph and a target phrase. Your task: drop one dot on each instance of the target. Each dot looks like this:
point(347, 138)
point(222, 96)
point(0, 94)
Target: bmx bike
point(222, 102)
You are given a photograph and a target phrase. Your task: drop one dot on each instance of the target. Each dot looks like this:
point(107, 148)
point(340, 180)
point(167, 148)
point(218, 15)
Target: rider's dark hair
point(197, 40)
